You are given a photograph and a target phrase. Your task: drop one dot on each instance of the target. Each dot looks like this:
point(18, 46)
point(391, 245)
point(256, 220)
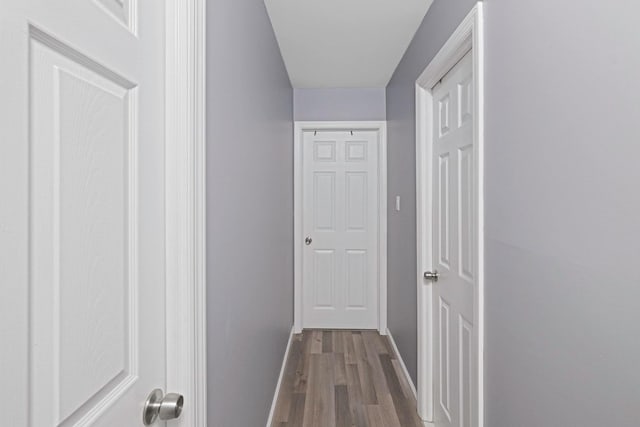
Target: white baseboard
point(282, 369)
point(404, 367)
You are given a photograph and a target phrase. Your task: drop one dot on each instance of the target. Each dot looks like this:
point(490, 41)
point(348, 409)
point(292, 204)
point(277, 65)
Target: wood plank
point(393, 383)
point(320, 409)
point(375, 416)
point(390, 351)
point(372, 346)
point(365, 371)
point(349, 350)
point(313, 391)
point(388, 411)
point(302, 370)
point(306, 339)
point(339, 369)
point(338, 341)
point(315, 342)
point(354, 390)
point(288, 380)
point(325, 408)
point(327, 342)
point(296, 417)
point(404, 382)
point(343, 412)
point(376, 341)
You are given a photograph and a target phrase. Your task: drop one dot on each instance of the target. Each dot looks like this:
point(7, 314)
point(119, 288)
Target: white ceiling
point(344, 43)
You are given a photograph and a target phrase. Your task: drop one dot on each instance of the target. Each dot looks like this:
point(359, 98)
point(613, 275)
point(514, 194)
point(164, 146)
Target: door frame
point(306, 126)
point(467, 37)
point(185, 203)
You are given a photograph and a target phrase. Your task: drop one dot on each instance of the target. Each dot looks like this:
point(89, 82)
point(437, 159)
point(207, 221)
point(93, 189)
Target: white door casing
point(82, 223)
point(186, 207)
point(449, 144)
point(339, 201)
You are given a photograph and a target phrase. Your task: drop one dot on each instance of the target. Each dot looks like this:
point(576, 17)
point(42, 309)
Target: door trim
point(381, 128)
point(468, 36)
point(185, 207)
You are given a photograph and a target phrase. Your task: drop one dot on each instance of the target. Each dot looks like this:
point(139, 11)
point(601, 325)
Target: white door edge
point(468, 36)
point(299, 128)
point(185, 207)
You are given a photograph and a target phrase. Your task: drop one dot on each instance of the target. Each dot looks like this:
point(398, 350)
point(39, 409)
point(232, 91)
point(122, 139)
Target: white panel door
point(340, 222)
point(455, 258)
point(82, 215)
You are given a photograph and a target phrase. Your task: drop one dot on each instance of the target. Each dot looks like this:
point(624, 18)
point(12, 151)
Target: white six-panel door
point(340, 221)
point(82, 215)
point(454, 241)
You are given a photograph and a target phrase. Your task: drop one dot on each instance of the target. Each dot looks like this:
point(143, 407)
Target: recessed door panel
point(356, 192)
point(324, 278)
point(93, 241)
point(123, 11)
point(356, 280)
point(465, 101)
point(466, 230)
point(465, 334)
point(356, 151)
point(444, 235)
point(444, 358)
point(324, 151)
point(443, 115)
point(324, 190)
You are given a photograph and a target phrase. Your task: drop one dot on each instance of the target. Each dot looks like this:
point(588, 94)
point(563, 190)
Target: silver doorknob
point(308, 241)
point(165, 407)
point(432, 275)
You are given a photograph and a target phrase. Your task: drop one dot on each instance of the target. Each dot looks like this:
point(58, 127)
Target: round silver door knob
point(171, 406)
point(308, 241)
point(432, 275)
point(160, 406)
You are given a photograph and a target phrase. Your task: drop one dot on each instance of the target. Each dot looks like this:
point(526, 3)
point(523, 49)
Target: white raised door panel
point(454, 249)
point(82, 220)
point(340, 218)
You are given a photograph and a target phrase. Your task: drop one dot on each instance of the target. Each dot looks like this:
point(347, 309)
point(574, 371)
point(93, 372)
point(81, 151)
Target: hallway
point(344, 378)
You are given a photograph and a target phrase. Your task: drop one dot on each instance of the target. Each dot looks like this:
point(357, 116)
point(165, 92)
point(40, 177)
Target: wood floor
point(344, 379)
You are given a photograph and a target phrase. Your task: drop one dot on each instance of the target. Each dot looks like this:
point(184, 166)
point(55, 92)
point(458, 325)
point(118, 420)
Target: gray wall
point(339, 104)
point(563, 213)
point(250, 212)
point(441, 20)
point(562, 208)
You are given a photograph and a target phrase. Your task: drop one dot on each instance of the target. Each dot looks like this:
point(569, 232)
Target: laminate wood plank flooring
point(344, 379)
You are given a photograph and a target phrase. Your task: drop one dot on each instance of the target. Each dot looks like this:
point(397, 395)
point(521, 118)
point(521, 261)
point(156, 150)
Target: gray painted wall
point(339, 104)
point(441, 20)
point(250, 212)
point(562, 208)
point(563, 213)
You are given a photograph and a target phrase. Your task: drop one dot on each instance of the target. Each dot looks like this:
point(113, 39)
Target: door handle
point(159, 405)
point(432, 275)
point(308, 241)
